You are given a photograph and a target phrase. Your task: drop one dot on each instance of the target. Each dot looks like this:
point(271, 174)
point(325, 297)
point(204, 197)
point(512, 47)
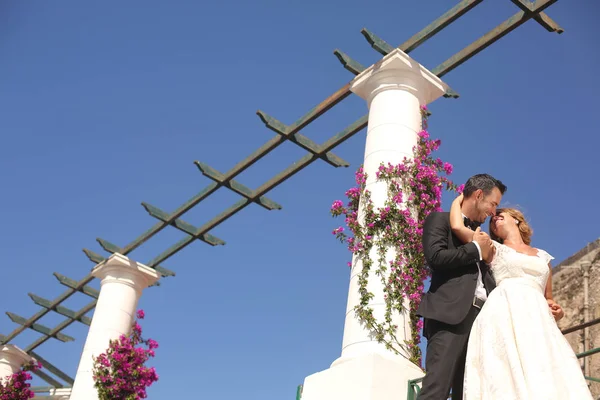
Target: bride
point(515, 350)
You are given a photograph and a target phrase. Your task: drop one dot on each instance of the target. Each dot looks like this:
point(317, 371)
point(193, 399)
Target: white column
point(394, 89)
point(56, 394)
point(122, 282)
point(12, 359)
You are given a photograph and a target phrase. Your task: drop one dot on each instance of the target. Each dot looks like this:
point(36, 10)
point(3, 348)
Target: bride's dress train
point(516, 351)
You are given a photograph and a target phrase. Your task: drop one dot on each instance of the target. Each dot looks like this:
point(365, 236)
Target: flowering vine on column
point(17, 386)
point(120, 373)
point(414, 190)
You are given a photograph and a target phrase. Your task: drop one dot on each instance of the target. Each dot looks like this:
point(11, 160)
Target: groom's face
point(487, 204)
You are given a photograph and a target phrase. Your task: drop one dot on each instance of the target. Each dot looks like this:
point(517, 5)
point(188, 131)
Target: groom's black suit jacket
point(453, 272)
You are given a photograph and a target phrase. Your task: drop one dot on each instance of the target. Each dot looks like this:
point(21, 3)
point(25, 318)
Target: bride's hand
point(490, 254)
point(556, 309)
point(459, 199)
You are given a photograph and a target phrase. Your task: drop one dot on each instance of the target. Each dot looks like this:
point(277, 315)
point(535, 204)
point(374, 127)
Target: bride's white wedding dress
point(516, 351)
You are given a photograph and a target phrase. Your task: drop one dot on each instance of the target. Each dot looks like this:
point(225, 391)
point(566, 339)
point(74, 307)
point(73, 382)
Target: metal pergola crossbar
point(528, 10)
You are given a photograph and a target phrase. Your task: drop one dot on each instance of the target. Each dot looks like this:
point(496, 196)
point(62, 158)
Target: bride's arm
point(457, 223)
point(555, 308)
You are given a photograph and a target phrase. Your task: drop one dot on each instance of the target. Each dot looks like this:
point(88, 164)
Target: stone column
point(585, 268)
point(12, 359)
point(394, 89)
point(122, 282)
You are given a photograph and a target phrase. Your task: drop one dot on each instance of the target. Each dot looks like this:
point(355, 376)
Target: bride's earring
point(516, 222)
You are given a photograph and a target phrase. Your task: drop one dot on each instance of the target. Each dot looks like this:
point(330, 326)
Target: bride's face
point(502, 223)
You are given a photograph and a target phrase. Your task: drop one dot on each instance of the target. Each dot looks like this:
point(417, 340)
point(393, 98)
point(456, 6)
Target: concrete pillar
point(395, 88)
point(122, 282)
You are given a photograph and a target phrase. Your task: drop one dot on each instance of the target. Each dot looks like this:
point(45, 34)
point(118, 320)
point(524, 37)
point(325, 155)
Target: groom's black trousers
point(445, 358)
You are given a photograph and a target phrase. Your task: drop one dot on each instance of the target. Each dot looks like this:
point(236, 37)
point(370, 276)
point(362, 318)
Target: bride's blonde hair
point(524, 228)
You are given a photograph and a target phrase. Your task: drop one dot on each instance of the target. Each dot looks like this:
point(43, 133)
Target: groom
point(460, 283)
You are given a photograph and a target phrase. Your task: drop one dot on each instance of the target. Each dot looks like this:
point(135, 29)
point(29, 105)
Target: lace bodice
point(509, 263)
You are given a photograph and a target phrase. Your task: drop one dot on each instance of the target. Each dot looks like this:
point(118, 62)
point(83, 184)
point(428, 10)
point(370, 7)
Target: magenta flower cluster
point(16, 386)
point(120, 373)
point(414, 191)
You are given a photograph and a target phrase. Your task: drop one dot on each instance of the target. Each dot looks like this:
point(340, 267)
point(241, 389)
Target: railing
point(414, 388)
point(581, 326)
point(586, 353)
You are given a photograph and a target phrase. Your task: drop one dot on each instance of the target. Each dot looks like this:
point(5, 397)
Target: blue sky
point(106, 106)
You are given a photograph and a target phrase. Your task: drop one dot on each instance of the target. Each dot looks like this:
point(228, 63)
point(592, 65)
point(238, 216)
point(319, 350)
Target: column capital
point(398, 71)
point(586, 267)
point(118, 268)
point(13, 359)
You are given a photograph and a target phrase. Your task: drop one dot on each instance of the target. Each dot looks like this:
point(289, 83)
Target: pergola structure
point(58, 379)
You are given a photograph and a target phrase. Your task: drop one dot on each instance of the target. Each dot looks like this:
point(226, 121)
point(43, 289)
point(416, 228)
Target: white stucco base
point(368, 377)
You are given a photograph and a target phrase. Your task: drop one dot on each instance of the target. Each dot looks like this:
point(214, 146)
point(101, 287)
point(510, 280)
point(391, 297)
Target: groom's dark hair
point(484, 182)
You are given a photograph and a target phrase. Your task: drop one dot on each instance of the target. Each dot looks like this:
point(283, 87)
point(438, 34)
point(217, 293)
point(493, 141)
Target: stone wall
point(567, 284)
